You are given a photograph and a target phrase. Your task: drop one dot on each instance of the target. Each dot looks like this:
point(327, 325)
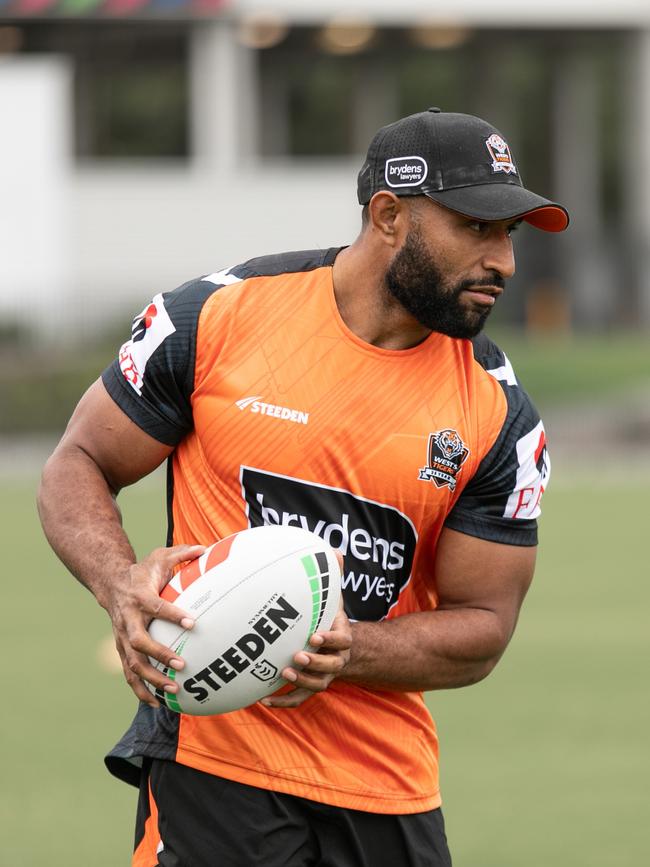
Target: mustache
point(495, 280)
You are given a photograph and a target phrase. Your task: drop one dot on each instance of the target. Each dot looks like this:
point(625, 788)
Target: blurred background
point(145, 142)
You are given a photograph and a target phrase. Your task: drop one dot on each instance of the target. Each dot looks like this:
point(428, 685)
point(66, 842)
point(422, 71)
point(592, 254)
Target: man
point(413, 450)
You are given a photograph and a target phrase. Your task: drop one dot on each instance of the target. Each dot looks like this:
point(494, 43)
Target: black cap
point(458, 160)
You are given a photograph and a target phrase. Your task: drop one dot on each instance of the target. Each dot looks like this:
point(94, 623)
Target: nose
point(499, 255)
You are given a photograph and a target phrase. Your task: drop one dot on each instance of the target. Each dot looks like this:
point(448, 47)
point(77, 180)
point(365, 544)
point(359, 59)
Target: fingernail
point(186, 623)
point(290, 675)
point(170, 687)
point(301, 658)
point(176, 663)
point(316, 639)
point(266, 702)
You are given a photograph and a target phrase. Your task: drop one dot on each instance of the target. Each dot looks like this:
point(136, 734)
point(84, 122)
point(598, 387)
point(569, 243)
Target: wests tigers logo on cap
point(501, 156)
point(446, 455)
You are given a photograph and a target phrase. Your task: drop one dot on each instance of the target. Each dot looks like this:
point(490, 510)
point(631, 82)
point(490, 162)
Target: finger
point(144, 599)
point(162, 562)
point(322, 663)
point(156, 606)
point(138, 668)
point(141, 642)
point(140, 690)
point(340, 625)
point(341, 620)
point(289, 699)
point(334, 640)
point(183, 553)
point(138, 687)
point(339, 637)
point(142, 693)
point(314, 681)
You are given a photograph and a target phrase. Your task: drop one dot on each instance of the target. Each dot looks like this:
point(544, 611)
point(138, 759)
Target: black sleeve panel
point(501, 501)
point(153, 377)
point(286, 263)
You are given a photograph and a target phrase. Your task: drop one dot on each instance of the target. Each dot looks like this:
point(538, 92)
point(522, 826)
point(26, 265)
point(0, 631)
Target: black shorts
point(190, 819)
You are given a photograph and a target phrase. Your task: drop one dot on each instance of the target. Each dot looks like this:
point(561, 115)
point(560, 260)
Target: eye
point(513, 228)
point(478, 226)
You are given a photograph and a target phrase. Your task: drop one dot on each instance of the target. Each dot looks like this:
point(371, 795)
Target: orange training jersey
point(280, 415)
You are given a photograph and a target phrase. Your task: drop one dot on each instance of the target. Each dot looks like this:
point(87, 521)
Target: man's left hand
point(315, 670)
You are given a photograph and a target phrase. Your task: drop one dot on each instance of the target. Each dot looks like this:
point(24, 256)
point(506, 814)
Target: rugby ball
point(256, 598)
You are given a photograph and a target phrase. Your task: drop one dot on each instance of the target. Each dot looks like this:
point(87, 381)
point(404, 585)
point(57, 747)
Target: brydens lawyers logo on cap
point(405, 171)
point(501, 156)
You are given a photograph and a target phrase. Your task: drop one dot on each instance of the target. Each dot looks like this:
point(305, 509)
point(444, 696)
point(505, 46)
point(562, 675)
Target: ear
point(388, 217)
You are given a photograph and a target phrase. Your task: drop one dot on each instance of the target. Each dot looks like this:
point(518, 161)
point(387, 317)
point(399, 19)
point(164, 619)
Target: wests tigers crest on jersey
point(447, 454)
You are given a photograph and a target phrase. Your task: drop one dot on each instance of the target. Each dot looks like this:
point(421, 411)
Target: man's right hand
point(134, 604)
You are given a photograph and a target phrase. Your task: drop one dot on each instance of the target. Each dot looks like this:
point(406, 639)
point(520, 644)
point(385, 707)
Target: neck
point(366, 306)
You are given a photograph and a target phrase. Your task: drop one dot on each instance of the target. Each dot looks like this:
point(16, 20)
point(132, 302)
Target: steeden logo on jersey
point(446, 454)
point(285, 413)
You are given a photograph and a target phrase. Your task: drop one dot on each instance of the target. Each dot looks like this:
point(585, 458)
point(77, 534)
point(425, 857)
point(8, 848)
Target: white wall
point(35, 229)
point(142, 232)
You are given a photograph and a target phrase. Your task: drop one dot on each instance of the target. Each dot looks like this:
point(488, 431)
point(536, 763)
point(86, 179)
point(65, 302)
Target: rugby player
point(351, 391)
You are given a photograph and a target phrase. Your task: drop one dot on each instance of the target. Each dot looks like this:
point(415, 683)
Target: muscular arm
point(76, 499)
point(481, 587)
point(101, 452)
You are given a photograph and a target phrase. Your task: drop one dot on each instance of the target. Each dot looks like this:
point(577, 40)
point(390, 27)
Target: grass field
point(563, 369)
point(544, 763)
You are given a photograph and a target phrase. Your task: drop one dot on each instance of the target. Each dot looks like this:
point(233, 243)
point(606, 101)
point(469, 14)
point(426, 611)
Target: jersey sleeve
point(501, 502)
point(152, 378)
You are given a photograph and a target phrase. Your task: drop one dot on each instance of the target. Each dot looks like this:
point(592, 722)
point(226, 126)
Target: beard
point(414, 279)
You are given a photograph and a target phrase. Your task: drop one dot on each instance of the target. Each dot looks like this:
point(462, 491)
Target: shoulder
point(180, 309)
point(493, 360)
point(521, 421)
point(274, 265)
point(501, 501)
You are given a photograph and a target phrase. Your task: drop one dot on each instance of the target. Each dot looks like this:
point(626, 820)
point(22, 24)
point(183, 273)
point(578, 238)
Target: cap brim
point(502, 201)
